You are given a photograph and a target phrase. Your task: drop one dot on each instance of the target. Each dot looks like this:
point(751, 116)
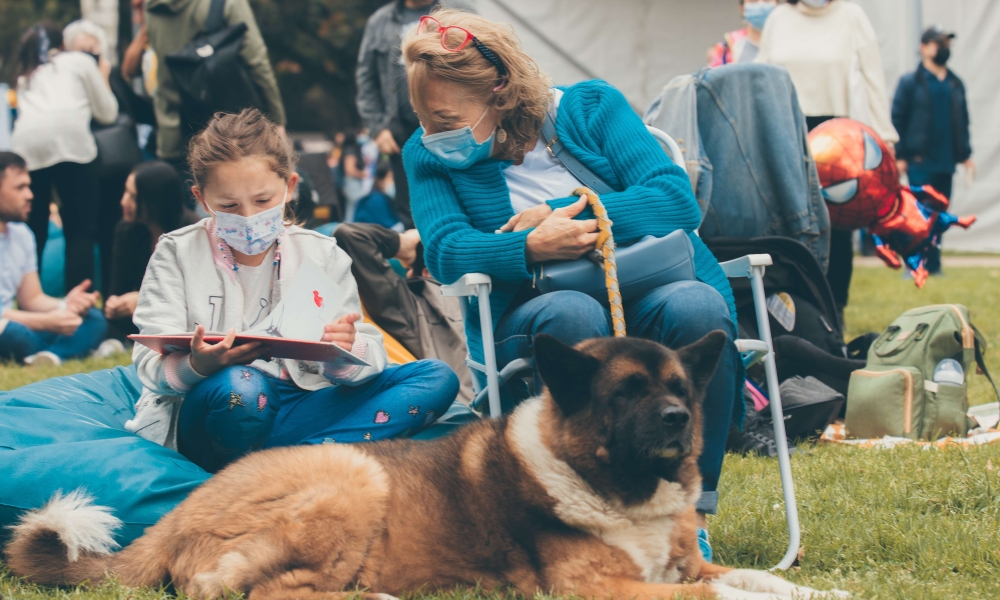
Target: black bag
point(117, 146)
point(209, 73)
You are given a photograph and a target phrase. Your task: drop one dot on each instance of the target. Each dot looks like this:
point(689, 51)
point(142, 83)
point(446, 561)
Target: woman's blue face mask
point(458, 148)
point(756, 13)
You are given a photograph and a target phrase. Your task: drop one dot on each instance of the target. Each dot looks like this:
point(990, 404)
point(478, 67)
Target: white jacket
point(191, 280)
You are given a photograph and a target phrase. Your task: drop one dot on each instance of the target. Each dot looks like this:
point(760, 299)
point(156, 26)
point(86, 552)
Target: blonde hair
point(525, 94)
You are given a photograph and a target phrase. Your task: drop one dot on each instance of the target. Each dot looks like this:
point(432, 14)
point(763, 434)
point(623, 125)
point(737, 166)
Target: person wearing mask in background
point(58, 93)
point(930, 113)
point(170, 24)
point(376, 207)
point(152, 205)
point(383, 99)
point(42, 330)
point(357, 172)
point(831, 53)
point(742, 45)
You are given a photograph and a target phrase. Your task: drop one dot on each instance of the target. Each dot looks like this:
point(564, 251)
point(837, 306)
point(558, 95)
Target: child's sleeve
point(368, 344)
point(162, 308)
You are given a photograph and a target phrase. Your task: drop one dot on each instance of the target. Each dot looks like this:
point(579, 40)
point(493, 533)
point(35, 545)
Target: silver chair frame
point(752, 266)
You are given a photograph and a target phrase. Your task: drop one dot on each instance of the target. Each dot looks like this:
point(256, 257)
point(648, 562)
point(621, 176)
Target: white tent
point(639, 45)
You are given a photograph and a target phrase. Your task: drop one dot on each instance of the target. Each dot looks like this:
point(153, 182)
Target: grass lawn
point(901, 524)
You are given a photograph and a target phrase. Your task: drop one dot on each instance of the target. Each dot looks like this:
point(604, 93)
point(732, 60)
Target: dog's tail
point(70, 540)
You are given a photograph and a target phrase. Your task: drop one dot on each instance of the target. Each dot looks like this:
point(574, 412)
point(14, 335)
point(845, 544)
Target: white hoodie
point(191, 280)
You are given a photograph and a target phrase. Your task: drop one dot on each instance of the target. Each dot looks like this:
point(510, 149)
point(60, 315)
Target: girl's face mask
point(458, 148)
point(254, 234)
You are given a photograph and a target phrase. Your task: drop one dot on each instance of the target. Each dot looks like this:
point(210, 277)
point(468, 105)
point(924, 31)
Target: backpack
point(209, 73)
point(909, 387)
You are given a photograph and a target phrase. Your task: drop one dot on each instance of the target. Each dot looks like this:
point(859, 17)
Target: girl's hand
point(207, 359)
point(528, 219)
point(342, 331)
point(561, 237)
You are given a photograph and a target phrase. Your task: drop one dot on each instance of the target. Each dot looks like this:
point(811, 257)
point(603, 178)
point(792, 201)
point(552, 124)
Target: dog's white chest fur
point(643, 532)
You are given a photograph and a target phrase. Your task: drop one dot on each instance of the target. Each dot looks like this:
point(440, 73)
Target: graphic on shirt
point(215, 302)
point(414, 411)
point(381, 417)
point(261, 401)
point(235, 400)
point(263, 309)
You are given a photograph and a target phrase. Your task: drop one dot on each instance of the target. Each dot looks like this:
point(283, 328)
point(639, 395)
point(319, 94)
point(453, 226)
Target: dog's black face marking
point(633, 402)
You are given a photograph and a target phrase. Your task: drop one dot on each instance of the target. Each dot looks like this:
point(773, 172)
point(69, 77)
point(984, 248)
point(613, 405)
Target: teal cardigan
point(457, 211)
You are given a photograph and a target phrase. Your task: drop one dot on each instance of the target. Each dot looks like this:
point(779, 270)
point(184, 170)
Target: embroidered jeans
point(239, 410)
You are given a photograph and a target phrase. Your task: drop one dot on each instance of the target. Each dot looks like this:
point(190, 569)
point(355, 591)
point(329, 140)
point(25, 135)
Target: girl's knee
point(238, 387)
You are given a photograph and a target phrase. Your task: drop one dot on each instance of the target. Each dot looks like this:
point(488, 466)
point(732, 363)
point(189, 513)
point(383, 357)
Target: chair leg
point(777, 417)
point(489, 351)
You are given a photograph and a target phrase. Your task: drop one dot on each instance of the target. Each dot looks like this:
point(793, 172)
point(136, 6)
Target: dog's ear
point(567, 372)
point(701, 358)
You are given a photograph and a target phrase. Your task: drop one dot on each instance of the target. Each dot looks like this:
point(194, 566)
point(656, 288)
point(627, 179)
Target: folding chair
point(752, 266)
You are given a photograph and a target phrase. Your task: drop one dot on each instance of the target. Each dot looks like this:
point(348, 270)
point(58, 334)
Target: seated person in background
point(376, 207)
point(356, 170)
point(43, 330)
point(153, 204)
point(413, 310)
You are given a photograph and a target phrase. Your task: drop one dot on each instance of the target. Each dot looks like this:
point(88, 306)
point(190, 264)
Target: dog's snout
point(676, 416)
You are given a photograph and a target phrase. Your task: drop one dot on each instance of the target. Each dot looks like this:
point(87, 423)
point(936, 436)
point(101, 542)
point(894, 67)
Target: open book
point(292, 330)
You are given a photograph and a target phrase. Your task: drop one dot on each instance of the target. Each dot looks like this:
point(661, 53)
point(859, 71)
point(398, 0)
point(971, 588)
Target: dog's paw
point(722, 591)
point(764, 582)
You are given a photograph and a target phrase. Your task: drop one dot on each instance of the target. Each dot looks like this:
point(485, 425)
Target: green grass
point(906, 524)
point(14, 376)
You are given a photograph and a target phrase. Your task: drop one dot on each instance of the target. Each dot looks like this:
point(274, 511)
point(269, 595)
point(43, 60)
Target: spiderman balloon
point(861, 188)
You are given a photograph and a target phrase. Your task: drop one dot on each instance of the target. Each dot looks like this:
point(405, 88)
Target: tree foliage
point(313, 46)
point(16, 16)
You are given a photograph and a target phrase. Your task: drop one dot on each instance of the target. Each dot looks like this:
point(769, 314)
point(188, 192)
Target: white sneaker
point(109, 347)
point(43, 358)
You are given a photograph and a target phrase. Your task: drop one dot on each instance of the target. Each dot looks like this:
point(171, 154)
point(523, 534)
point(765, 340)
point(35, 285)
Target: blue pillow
point(69, 433)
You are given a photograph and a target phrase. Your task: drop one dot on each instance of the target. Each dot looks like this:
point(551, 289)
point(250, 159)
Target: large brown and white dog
point(588, 489)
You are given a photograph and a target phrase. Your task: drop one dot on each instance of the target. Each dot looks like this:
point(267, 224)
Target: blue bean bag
point(69, 432)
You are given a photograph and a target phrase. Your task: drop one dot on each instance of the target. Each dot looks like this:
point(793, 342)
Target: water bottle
point(949, 372)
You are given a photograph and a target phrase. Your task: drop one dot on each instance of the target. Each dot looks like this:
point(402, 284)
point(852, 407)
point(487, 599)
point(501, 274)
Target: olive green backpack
point(895, 393)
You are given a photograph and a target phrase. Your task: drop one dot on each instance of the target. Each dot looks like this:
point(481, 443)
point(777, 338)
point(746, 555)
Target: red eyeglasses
point(454, 39)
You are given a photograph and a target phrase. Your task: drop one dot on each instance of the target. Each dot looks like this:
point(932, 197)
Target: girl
point(215, 403)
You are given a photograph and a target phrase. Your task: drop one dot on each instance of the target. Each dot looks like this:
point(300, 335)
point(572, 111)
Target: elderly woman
point(488, 197)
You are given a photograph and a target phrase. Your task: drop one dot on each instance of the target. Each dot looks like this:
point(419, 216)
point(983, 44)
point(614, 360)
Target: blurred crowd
point(102, 147)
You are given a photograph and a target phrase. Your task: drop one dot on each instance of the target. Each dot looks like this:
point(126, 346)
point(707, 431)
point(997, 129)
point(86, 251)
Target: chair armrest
point(467, 285)
point(740, 267)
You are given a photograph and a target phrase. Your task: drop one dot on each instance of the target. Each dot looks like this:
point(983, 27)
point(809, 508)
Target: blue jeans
point(674, 315)
point(18, 341)
point(239, 410)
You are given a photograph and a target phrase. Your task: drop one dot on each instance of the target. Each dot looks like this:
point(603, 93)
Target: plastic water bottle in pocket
point(949, 371)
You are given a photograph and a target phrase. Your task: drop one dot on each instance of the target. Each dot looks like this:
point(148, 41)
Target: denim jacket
point(744, 141)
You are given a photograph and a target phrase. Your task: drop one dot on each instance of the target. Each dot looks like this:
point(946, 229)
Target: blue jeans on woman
point(240, 409)
point(18, 341)
point(674, 315)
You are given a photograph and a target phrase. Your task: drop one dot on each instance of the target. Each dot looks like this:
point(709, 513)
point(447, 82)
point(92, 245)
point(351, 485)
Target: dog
point(588, 489)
